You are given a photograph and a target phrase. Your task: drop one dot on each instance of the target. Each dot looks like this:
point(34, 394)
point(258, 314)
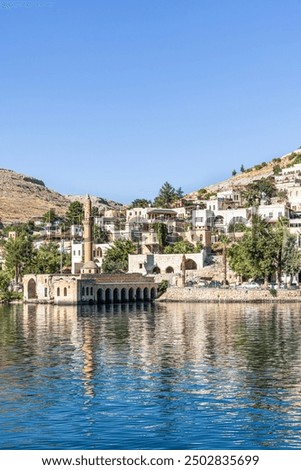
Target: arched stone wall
point(32, 289)
point(138, 294)
point(116, 295)
point(190, 264)
point(131, 295)
point(100, 298)
point(153, 293)
point(145, 294)
point(108, 296)
point(123, 295)
point(169, 270)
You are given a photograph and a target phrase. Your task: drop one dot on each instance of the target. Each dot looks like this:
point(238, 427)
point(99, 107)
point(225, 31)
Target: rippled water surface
point(176, 376)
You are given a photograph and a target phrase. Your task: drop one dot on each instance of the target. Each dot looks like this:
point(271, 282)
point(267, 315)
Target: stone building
point(88, 286)
point(63, 289)
point(165, 264)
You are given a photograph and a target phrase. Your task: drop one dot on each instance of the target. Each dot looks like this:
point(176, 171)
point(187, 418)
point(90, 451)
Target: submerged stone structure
point(63, 289)
point(89, 287)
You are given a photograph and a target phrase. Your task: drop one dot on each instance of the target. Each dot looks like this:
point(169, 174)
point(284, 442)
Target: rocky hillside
point(242, 179)
point(23, 197)
point(96, 201)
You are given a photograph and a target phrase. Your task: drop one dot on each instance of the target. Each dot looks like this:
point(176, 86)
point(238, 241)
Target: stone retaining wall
point(195, 294)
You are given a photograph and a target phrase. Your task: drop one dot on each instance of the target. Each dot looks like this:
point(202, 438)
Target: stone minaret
point(88, 224)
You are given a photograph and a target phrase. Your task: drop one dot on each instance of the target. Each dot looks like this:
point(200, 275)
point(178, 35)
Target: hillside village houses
point(197, 220)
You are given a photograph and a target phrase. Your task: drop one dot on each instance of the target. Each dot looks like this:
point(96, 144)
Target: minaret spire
point(88, 224)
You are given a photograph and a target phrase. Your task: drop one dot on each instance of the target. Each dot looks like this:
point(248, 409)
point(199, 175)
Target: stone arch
point(153, 293)
point(190, 264)
point(145, 294)
point(131, 295)
point(138, 294)
point(123, 297)
point(116, 295)
point(156, 270)
point(169, 270)
point(108, 296)
point(100, 299)
point(32, 289)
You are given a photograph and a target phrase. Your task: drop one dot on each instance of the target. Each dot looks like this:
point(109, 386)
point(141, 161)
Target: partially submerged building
point(88, 287)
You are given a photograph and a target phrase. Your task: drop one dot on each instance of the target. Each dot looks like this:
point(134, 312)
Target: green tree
point(116, 257)
point(234, 172)
point(167, 195)
point(255, 190)
point(24, 228)
point(50, 216)
point(234, 227)
point(18, 255)
point(95, 211)
point(75, 213)
point(141, 203)
point(48, 259)
point(277, 169)
point(100, 235)
point(242, 169)
point(161, 230)
point(282, 195)
point(5, 293)
point(291, 257)
point(255, 255)
point(182, 246)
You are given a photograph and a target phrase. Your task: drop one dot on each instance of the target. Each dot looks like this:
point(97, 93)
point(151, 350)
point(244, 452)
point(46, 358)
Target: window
point(270, 215)
point(65, 291)
point(87, 290)
point(140, 265)
point(91, 290)
point(58, 292)
point(83, 291)
point(279, 214)
point(45, 292)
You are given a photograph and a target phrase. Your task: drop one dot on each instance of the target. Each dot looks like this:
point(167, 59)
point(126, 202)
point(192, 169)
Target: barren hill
point(262, 170)
point(23, 198)
point(96, 201)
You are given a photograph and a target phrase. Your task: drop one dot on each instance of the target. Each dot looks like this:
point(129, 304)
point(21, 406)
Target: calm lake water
point(172, 376)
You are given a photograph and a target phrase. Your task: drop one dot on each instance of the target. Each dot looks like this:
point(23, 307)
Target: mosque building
point(89, 286)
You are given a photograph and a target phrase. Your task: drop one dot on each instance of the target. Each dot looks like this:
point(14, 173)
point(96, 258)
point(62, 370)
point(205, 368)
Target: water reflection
point(150, 376)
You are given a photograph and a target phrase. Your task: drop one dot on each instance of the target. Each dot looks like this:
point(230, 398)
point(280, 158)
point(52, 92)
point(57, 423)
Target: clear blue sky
point(114, 97)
